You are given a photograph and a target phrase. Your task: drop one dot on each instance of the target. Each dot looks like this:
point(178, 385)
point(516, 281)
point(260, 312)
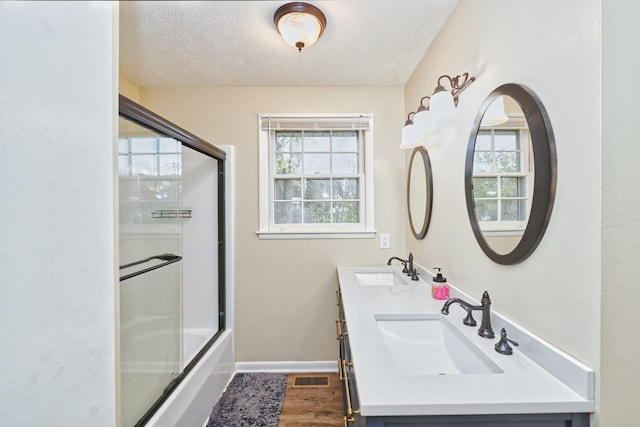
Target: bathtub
point(191, 402)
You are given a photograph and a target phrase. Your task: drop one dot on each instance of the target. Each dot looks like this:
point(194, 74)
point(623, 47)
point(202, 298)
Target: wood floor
point(312, 406)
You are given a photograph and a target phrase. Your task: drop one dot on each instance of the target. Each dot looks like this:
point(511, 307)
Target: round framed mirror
point(510, 174)
point(419, 192)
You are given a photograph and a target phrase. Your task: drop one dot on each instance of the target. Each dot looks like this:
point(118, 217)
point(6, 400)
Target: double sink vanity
point(404, 363)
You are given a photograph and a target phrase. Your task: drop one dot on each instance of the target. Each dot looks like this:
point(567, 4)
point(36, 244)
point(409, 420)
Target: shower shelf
point(171, 213)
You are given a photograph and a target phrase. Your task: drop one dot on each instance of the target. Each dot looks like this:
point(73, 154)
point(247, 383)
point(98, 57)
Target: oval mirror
point(510, 174)
point(419, 192)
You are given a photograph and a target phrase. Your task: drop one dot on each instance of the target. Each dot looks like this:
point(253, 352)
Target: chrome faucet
point(409, 269)
point(485, 330)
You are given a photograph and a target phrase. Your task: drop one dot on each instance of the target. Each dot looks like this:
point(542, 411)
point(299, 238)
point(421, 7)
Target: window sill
point(297, 235)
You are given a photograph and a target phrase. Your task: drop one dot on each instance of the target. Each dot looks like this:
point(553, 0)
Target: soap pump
point(439, 287)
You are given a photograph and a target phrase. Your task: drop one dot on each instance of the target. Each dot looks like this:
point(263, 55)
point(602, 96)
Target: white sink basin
point(378, 278)
point(427, 344)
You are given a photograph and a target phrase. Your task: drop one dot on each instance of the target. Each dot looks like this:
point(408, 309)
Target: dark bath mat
point(250, 400)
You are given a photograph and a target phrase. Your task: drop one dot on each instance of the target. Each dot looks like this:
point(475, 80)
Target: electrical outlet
point(385, 241)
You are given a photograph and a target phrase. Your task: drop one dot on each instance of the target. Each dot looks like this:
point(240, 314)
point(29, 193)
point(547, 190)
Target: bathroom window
point(502, 179)
point(316, 176)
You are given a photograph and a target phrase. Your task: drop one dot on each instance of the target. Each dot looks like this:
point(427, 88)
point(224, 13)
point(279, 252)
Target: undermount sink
point(427, 344)
point(378, 278)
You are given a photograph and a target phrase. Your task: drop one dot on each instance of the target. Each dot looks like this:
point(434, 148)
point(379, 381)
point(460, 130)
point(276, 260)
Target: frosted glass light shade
point(410, 137)
point(495, 114)
point(299, 28)
point(441, 105)
point(300, 24)
point(426, 123)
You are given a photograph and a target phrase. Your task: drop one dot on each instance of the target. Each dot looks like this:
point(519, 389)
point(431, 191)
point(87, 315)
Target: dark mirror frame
point(429, 189)
point(545, 173)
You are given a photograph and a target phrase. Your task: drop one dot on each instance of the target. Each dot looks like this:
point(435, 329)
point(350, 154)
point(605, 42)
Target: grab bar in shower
point(167, 258)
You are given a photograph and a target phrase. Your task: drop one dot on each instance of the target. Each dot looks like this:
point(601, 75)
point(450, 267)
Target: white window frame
point(513, 228)
point(267, 126)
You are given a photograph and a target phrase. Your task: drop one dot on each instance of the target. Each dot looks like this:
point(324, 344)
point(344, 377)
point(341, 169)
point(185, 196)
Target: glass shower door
point(150, 253)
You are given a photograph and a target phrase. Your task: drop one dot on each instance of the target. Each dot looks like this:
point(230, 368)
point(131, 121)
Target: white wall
point(554, 48)
point(285, 289)
point(57, 275)
point(620, 373)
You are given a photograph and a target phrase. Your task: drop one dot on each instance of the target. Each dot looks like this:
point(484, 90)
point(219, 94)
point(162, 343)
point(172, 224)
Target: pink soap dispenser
point(439, 287)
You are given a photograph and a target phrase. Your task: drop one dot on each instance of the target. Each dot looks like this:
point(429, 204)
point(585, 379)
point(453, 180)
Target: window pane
point(485, 187)
point(169, 145)
point(288, 164)
point(123, 145)
point(345, 141)
point(346, 212)
point(123, 165)
point(286, 213)
point(317, 164)
point(487, 210)
point(512, 186)
point(170, 164)
point(345, 163)
point(513, 210)
point(287, 142)
point(317, 212)
point(143, 145)
point(317, 141)
point(507, 162)
point(144, 165)
point(288, 189)
point(507, 140)
point(483, 141)
point(482, 162)
point(346, 188)
point(317, 189)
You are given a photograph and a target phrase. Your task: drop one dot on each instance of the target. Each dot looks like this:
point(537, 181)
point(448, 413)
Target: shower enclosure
point(171, 252)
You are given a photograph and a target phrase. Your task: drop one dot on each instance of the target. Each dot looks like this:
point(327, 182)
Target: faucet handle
point(503, 346)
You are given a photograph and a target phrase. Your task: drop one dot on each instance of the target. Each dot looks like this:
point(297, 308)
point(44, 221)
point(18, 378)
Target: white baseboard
point(288, 367)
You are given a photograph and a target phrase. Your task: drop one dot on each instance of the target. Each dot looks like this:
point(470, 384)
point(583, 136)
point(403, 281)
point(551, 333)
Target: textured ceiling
point(235, 43)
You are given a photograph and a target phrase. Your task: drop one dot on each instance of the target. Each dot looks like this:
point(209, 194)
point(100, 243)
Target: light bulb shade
point(495, 114)
point(442, 105)
point(300, 24)
point(425, 123)
point(421, 118)
point(410, 137)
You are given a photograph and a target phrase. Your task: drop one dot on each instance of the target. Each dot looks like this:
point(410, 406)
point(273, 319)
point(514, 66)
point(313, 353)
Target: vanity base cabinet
point(498, 420)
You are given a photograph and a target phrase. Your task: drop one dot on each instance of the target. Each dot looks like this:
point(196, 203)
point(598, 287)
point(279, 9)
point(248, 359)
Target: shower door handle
point(167, 258)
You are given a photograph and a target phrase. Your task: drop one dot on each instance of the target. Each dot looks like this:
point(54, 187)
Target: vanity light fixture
point(300, 24)
point(442, 107)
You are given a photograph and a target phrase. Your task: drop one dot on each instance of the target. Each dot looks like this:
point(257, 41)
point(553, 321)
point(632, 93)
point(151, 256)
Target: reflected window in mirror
point(502, 176)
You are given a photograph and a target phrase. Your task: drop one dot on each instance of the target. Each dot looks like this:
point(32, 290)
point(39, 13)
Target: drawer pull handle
point(339, 331)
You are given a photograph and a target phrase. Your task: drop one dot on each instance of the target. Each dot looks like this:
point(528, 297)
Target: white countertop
point(525, 386)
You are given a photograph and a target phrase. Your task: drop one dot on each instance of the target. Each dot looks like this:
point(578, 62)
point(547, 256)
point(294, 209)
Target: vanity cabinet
point(354, 418)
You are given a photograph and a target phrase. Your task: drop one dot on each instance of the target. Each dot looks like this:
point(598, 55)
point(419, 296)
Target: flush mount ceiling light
point(300, 24)
point(442, 107)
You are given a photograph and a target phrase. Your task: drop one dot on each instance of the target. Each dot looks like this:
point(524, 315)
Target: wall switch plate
point(385, 241)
